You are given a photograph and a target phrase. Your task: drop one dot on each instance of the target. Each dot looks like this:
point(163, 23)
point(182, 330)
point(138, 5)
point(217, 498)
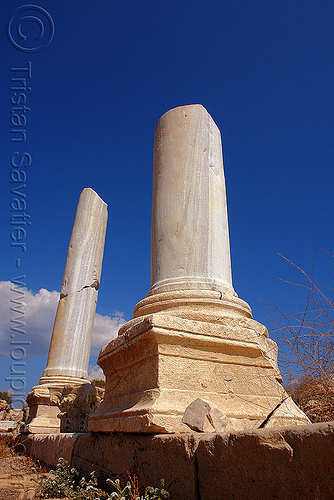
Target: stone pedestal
point(72, 332)
point(158, 366)
point(191, 341)
point(43, 412)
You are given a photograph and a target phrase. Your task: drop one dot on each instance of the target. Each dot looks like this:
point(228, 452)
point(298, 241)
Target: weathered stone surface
point(16, 415)
point(162, 363)
point(151, 457)
point(49, 448)
point(76, 403)
point(286, 463)
point(204, 416)
point(72, 332)
point(8, 425)
point(43, 412)
point(9, 417)
point(283, 413)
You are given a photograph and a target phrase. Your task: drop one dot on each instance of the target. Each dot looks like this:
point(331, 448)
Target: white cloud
point(39, 312)
point(105, 329)
point(95, 372)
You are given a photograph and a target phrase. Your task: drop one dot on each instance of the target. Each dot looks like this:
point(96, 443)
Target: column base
point(42, 400)
point(161, 363)
point(43, 413)
point(195, 304)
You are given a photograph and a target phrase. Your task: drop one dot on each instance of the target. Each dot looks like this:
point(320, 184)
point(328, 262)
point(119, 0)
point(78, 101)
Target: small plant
point(121, 493)
point(129, 491)
point(307, 332)
point(89, 490)
point(65, 482)
point(156, 493)
point(61, 483)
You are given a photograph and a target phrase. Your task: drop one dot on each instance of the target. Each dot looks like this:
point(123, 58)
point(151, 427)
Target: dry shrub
point(4, 445)
point(315, 398)
point(99, 382)
point(306, 348)
point(134, 481)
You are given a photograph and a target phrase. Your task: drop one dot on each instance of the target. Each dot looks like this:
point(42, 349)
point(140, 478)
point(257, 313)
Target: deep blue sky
point(263, 69)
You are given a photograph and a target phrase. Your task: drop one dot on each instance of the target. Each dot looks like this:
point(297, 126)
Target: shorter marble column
point(192, 357)
point(72, 332)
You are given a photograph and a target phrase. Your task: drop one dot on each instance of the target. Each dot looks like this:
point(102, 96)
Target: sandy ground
point(16, 472)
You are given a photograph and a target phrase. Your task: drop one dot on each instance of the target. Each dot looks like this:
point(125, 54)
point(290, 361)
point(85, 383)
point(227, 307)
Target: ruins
point(70, 345)
point(193, 390)
point(192, 357)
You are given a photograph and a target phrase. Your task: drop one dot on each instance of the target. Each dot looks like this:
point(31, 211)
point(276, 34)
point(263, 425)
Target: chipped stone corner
point(285, 413)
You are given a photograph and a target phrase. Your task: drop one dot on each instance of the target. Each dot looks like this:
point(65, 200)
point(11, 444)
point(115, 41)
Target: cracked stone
point(286, 409)
point(95, 285)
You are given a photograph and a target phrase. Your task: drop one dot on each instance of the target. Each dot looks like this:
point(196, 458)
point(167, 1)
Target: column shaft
point(190, 241)
point(72, 332)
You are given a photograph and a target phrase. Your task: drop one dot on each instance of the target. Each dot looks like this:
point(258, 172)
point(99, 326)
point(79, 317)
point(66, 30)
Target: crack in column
point(95, 285)
point(266, 420)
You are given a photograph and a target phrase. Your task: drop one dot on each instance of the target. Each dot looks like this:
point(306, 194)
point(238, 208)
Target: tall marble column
point(190, 239)
point(192, 357)
point(70, 345)
point(190, 248)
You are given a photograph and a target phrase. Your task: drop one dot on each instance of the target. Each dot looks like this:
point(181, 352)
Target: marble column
point(70, 345)
point(190, 247)
point(190, 239)
point(192, 357)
